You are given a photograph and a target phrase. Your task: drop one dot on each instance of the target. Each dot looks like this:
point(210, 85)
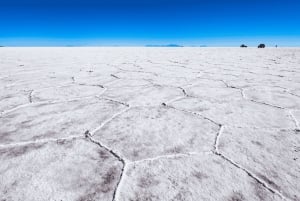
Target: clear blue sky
point(141, 22)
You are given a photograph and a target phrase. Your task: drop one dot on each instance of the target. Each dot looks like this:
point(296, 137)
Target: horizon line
point(148, 46)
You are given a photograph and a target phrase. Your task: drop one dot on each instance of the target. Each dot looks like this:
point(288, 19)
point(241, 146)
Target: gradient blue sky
point(141, 22)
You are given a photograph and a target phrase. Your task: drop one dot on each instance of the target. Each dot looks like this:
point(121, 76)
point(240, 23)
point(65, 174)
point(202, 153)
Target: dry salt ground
point(149, 124)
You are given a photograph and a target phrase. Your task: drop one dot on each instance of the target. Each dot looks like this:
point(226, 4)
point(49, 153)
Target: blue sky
point(142, 22)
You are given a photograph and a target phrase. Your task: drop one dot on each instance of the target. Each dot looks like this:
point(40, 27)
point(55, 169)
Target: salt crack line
point(243, 93)
point(90, 85)
point(216, 144)
point(293, 94)
point(185, 94)
point(137, 71)
point(286, 90)
point(30, 96)
point(88, 135)
point(234, 87)
point(249, 173)
point(112, 152)
point(295, 120)
point(193, 113)
point(225, 84)
point(20, 107)
point(45, 102)
point(109, 120)
point(116, 193)
point(252, 175)
point(183, 91)
point(114, 76)
point(113, 100)
point(170, 156)
point(177, 62)
point(267, 104)
point(173, 100)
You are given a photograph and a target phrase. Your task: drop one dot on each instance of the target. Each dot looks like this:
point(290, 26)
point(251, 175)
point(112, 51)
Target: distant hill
point(170, 45)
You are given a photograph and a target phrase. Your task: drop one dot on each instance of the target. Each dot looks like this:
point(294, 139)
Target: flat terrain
point(149, 124)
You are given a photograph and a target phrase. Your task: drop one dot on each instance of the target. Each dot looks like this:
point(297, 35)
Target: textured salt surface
point(125, 124)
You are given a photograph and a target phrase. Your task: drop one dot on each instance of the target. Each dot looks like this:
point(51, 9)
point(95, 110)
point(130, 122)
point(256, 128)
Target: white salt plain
point(130, 124)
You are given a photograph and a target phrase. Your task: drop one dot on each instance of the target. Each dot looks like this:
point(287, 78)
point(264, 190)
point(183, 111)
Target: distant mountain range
point(175, 45)
point(170, 45)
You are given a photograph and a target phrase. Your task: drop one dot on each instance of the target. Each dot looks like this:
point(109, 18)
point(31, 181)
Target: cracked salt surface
point(55, 120)
point(130, 124)
point(270, 154)
point(149, 132)
point(199, 177)
point(63, 170)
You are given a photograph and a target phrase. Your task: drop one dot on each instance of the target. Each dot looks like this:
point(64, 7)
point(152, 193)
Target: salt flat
point(130, 124)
